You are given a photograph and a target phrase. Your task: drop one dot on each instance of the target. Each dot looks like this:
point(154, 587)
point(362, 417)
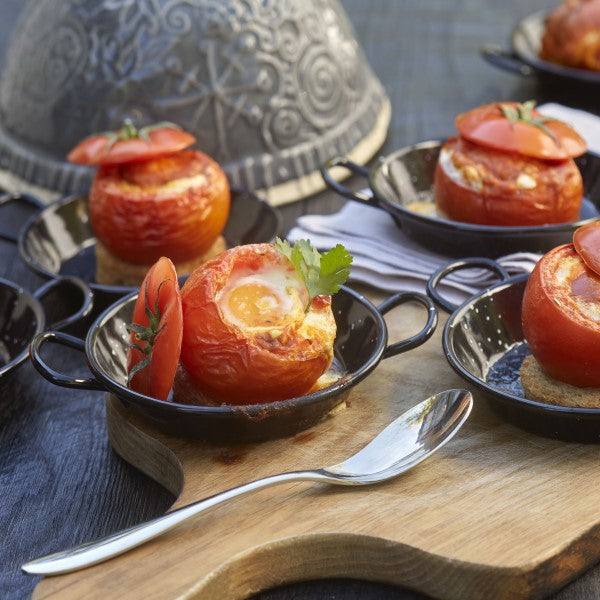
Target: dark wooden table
point(60, 482)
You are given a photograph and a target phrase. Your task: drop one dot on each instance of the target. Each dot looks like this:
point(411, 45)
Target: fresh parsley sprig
point(321, 273)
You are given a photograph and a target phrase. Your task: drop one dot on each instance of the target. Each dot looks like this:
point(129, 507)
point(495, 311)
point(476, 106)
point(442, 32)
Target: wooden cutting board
point(496, 513)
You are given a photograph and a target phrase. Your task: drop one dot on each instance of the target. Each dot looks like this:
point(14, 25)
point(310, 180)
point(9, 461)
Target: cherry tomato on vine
point(156, 332)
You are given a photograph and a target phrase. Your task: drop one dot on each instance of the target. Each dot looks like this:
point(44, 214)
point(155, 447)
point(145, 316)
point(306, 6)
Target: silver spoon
point(405, 442)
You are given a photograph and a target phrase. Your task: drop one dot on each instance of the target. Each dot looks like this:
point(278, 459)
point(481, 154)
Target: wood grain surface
point(61, 482)
point(496, 513)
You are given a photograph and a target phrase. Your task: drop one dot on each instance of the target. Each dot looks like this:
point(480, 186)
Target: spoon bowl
point(404, 443)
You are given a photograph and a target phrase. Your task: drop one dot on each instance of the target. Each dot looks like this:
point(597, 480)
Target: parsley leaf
point(335, 268)
point(322, 273)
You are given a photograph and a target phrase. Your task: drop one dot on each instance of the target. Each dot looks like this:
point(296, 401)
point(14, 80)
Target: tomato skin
point(497, 199)
point(586, 240)
point(486, 125)
point(234, 366)
point(156, 379)
point(140, 214)
point(564, 341)
point(100, 150)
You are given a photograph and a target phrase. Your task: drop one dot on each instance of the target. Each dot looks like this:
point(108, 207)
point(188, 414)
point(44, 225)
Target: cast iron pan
point(27, 201)
point(483, 342)
point(524, 57)
point(63, 301)
point(407, 175)
point(23, 314)
point(59, 240)
point(361, 342)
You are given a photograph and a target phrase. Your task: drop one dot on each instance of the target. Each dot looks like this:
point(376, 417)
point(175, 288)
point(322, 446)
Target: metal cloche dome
point(270, 89)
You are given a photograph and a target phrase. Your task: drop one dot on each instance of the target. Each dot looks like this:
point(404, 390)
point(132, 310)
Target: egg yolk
point(256, 305)
point(263, 300)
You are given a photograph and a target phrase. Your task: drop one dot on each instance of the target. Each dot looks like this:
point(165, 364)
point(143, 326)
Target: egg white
point(288, 290)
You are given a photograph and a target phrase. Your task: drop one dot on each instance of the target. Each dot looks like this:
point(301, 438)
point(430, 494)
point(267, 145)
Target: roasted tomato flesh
point(561, 317)
point(481, 185)
point(249, 336)
point(174, 206)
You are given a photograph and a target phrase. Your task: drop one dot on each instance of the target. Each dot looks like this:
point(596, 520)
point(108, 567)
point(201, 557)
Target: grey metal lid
point(270, 89)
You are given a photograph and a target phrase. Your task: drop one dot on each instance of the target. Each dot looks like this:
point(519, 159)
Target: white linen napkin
point(586, 124)
point(386, 259)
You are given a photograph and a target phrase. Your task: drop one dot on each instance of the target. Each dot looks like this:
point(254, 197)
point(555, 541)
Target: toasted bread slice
point(543, 388)
point(111, 270)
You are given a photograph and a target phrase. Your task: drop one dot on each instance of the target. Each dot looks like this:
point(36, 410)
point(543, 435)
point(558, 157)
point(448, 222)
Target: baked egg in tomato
point(251, 333)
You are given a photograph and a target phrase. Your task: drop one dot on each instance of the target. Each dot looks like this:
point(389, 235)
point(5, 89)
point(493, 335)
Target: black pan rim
point(456, 226)
point(40, 315)
point(519, 401)
point(113, 290)
point(224, 411)
point(544, 66)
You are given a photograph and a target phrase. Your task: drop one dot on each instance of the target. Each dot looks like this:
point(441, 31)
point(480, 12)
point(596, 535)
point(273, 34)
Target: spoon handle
point(91, 553)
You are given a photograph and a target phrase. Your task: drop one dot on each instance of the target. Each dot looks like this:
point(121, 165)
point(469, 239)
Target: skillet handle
point(418, 338)
point(465, 263)
point(64, 285)
point(505, 59)
point(48, 372)
point(342, 190)
point(25, 198)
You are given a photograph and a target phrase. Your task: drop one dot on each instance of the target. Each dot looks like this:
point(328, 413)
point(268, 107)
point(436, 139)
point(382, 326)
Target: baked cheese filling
point(472, 177)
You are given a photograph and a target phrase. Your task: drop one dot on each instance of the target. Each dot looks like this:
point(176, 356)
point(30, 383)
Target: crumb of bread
point(543, 388)
point(112, 270)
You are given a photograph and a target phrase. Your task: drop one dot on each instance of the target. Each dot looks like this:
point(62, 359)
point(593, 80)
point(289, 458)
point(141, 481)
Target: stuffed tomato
point(251, 331)
point(571, 35)
point(509, 166)
point(491, 187)
point(561, 317)
point(151, 197)
point(175, 206)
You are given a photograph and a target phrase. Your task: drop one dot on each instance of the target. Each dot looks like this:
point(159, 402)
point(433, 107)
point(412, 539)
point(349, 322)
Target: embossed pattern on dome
point(271, 89)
